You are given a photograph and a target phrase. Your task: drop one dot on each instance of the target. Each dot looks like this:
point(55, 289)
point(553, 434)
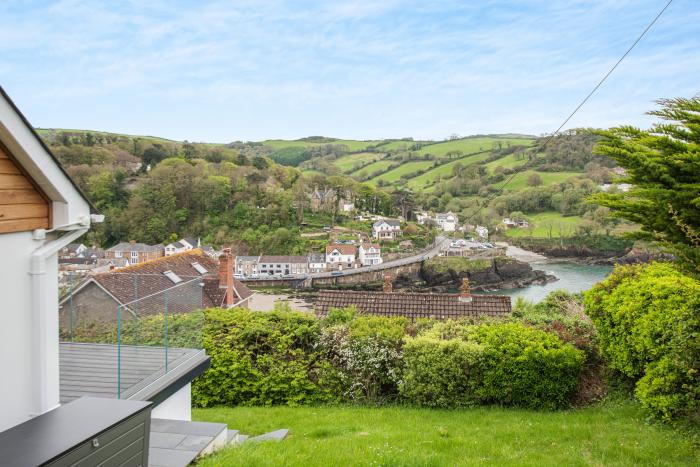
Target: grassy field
point(393, 176)
point(379, 165)
point(391, 145)
point(445, 171)
point(346, 163)
point(510, 161)
point(353, 145)
point(612, 433)
point(468, 145)
point(541, 223)
point(520, 180)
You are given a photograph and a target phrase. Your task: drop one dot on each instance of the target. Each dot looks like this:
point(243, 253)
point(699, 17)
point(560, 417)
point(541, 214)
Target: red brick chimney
point(226, 277)
point(466, 295)
point(387, 287)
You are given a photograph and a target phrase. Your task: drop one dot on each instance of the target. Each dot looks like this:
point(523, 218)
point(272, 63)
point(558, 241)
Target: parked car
point(239, 276)
point(336, 273)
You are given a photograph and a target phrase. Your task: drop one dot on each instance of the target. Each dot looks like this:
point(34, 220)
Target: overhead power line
point(634, 44)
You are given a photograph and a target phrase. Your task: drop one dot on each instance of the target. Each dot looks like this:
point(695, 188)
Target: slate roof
point(127, 246)
point(343, 249)
point(147, 279)
point(391, 222)
point(283, 259)
point(413, 305)
point(317, 258)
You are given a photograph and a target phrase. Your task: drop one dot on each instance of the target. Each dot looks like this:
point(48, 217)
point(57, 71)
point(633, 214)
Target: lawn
point(612, 433)
point(444, 170)
point(520, 180)
point(346, 163)
point(541, 223)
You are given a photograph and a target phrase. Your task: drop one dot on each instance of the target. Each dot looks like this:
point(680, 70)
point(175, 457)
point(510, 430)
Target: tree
point(663, 165)
point(534, 180)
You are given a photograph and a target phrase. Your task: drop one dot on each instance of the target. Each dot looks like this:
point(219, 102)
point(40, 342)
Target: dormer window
point(172, 276)
point(200, 269)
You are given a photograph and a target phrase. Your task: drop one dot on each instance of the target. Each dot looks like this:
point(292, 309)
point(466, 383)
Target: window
point(201, 269)
point(172, 276)
point(117, 254)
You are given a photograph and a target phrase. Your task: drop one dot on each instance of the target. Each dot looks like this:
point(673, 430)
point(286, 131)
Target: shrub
point(441, 373)
point(367, 352)
point(263, 359)
point(648, 321)
point(457, 364)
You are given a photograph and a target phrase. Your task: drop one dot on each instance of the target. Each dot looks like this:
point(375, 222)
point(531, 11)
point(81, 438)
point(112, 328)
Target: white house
point(347, 206)
point(44, 212)
point(386, 229)
point(340, 256)
point(447, 221)
point(369, 254)
point(421, 217)
point(317, 262)
point(185, 244)
point(482, 232)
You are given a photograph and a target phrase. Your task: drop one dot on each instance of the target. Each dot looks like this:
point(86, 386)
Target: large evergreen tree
point(663, 165)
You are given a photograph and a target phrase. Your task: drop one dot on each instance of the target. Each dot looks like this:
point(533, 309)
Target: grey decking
point(91, 369)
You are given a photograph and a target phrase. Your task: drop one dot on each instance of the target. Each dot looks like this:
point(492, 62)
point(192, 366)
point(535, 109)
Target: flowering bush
point(367, 353)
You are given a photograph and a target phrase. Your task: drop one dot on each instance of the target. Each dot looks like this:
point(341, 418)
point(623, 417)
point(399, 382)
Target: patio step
point(177, 443)
point(277, 435)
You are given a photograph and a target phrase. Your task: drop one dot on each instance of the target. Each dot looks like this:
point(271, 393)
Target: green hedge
point(648, 321)
point(263, 359)
point(454, 365)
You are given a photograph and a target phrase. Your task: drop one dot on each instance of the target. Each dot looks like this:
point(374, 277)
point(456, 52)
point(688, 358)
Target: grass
point(347, 163)
point(468, 145)
point(457, 264)
point(444, 171)
point(379, 165)
point(541, 222)
point(611, 433)
point(508, 162)
point(393, 176)
point(520, 180)
point(352, 145)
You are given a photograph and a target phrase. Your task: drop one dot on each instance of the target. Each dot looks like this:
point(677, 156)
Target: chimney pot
point(388, 287)
point(466, 295)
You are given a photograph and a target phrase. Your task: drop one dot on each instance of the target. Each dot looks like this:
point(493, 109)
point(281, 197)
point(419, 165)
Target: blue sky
point(221, 71)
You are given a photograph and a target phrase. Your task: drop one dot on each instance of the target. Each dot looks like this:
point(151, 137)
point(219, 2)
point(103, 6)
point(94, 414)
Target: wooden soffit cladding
point(23, 206)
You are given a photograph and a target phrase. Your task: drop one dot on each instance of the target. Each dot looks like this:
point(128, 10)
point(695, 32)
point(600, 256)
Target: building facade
point(387, 229)
point(369, 254)
point(135, 253)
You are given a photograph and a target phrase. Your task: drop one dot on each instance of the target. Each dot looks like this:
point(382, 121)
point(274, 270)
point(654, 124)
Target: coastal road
point(440, 243)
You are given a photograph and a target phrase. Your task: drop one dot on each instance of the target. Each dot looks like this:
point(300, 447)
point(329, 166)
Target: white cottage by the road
point(42, 212)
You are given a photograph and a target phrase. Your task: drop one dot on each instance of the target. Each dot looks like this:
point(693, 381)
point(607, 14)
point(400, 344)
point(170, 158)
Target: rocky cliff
point(445, 274)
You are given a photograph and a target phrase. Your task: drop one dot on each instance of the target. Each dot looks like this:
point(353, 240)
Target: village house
point(482, 232)
point(447, 221)
point(323, 199)
point(317, 262)
point(181, 246)
point(283, 265)
point(72, 250)
point(135, 253)
point(414, 305)
point(247, 266)
point(422, 217)
point(369, 254)
point(182, 282)
point(341, 256)
point(386, 229)
point(512, 223)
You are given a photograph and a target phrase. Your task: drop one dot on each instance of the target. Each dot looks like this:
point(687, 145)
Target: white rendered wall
point(176, 407)
point(16, 383)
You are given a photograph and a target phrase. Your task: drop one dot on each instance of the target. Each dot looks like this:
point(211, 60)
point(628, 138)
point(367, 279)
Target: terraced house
point(135, 253)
